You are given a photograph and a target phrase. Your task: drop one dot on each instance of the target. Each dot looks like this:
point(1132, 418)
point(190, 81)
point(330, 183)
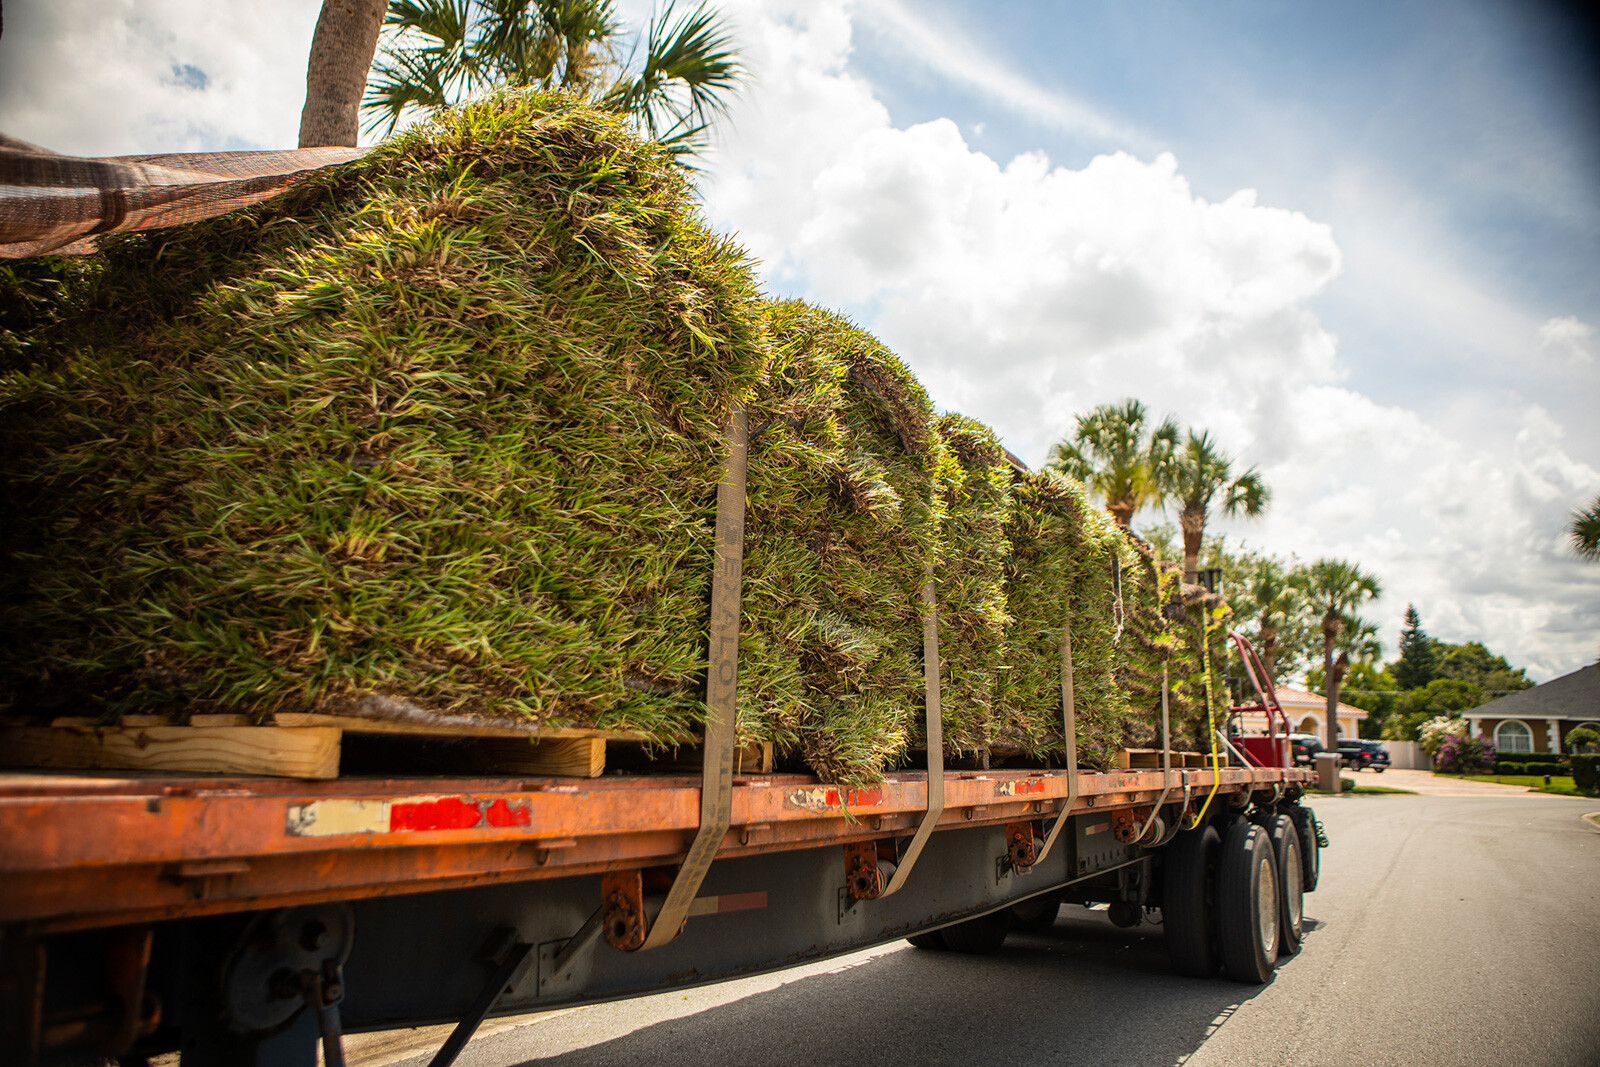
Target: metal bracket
point(862, 875)
point(1022, 848)
point(934, 716)
point(282, 963)
point(722, 687)
point(1069, 734)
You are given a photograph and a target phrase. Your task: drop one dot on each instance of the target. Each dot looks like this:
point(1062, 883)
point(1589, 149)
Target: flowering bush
point(1459, 754)
point(1436, 729)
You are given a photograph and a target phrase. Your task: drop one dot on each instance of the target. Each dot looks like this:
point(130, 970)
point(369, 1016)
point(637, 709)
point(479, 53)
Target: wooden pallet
point(319, 746)
point(1143, 758)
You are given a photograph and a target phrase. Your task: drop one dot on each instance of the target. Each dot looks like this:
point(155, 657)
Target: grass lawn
point(1560, 784)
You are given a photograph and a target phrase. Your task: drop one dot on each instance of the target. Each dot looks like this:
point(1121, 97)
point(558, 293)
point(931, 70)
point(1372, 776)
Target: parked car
point(1362, 755)
point(1306, 747)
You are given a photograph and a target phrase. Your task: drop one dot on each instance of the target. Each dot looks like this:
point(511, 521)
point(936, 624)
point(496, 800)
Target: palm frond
point(689, 66)
point(1584, 531)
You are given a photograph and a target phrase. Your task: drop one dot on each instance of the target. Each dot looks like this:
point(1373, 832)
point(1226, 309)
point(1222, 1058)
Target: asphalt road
point(1447, 930)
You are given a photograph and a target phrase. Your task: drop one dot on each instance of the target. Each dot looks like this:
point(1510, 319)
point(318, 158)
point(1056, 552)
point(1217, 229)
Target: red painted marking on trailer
point(864, 798)
point(504, 813)
point(438, 813)
point(828, 798)
point(1019, 788)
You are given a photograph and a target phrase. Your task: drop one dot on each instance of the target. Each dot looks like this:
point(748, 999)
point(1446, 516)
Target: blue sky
point(1359, 242)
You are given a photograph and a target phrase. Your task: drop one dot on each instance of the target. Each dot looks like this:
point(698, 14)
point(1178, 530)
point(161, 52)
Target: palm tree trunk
point(1122, 509)
point(1330, 633)
point(1269, 653)
point(1193, 523)
point(336, 73)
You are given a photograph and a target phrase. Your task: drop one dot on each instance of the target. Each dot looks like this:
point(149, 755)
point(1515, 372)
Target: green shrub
point(1586, 773)
point(1508, 767)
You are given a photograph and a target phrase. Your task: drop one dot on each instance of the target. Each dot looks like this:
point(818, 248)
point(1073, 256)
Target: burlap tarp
point(55, 203)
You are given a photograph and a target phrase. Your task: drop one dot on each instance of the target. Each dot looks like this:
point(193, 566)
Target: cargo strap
point(722, 688)
point(1166, 760)
point(1069, 734)
point(934, 717)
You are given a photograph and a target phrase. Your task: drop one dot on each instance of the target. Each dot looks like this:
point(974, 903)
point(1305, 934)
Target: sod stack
point(435, 436)
point(843, 527)
point(1152, 611)
point(1064, 558)
point(972, 585)
point(1203, 653)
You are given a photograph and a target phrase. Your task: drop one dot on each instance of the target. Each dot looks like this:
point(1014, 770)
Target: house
point(1306, 712)
point(1539, 719)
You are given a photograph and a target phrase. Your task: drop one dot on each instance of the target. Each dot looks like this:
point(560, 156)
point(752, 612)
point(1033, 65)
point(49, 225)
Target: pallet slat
point(311, 746)
point(568, 757)
point(297, 752)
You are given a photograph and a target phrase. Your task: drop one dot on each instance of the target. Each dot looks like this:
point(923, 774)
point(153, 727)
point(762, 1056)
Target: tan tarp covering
point(56, 203)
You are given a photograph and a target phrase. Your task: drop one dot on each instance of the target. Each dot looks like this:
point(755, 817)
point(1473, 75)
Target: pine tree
point(1418, 663)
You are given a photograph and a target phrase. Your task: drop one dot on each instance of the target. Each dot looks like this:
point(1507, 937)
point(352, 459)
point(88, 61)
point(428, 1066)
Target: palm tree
point(1357, 643)
point(341, 54)
point(443, 51)
point(1275, 599)
point(1338, 587)
point(1585, 531)
point(1199, 473)
point(1111, 453)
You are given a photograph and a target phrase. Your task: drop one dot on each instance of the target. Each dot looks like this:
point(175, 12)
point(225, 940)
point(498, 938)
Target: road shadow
point(1084, 992)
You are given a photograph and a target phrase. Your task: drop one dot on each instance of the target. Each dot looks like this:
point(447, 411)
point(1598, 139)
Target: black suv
point(1362, 755)
point(1305, 748)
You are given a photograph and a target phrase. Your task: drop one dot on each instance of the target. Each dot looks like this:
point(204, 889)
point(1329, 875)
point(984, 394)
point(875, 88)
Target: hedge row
point(1586, 773)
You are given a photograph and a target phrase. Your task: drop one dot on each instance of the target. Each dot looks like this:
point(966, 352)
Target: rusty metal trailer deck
point(158, 912)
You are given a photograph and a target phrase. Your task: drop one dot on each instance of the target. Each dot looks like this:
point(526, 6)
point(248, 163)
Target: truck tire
point(1188, 909)
point(933, 940)
point(1310, 861)
point(980, 936)
point(1285, 837)
point(1035, 916)
point(1247, 904)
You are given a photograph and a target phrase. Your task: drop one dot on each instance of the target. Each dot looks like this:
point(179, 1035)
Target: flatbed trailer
point(149, 913)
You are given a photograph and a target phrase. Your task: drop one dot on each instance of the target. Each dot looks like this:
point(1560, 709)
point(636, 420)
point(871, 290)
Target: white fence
point(1408, 755)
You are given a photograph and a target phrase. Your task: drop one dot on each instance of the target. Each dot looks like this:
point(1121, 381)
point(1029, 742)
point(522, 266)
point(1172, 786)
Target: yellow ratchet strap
point(1211, 721)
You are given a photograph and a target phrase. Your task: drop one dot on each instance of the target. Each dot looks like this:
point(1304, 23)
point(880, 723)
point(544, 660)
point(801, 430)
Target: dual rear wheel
point(1232, 900)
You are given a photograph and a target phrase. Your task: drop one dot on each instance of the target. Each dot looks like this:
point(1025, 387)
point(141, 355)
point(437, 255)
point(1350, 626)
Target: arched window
point(1310, 725)
point(1513, 736)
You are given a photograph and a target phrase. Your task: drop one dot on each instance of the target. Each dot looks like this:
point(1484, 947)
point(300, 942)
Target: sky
point(1358, 242)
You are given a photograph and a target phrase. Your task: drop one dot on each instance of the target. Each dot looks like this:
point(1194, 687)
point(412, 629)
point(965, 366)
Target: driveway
point(1426, 784)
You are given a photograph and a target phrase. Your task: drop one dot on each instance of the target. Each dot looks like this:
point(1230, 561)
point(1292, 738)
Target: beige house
point(1539, 719)
point(1306, 712)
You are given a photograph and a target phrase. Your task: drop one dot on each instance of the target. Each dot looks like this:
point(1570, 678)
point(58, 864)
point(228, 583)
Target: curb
point(1593, 819)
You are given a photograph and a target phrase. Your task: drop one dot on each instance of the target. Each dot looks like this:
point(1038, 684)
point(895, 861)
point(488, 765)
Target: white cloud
point(1023, 293)
point(1570, 339)
point(112, 77)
